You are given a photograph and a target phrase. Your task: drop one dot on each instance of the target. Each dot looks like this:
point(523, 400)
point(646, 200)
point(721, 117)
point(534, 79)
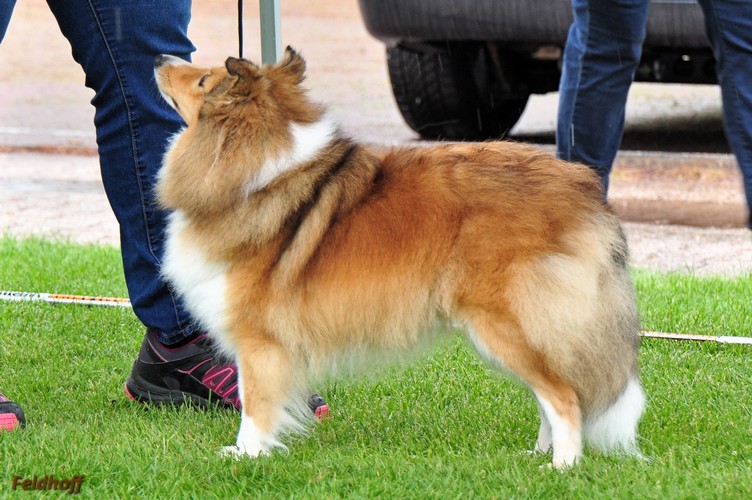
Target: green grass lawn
point(444, 427)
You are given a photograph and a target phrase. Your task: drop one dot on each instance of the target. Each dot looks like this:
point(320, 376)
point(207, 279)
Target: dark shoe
point(11, 415)
point(191, 372)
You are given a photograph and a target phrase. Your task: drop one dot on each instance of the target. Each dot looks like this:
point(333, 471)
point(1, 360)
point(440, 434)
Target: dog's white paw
point(239, 453)
point(565, 461)
point(251, 442)
point(230, 452)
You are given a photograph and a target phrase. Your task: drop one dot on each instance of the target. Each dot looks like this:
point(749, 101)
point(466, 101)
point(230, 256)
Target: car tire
point(454, 92)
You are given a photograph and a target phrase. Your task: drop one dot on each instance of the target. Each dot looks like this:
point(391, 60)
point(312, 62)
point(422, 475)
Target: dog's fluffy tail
point(614, 429)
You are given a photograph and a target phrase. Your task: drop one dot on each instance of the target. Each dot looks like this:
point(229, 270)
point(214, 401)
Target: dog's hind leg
point(565, 420)
point(545, 438)
point(265, 374)
point(502, 341)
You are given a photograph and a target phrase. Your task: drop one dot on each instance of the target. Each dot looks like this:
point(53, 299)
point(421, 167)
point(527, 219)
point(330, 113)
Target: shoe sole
point(171, 398)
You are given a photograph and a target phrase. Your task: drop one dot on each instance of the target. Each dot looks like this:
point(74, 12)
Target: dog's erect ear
point(246, 74)
point(294, 64)
point(241, 67)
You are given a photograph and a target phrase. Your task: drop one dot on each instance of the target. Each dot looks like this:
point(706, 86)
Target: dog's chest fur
point(200, 282)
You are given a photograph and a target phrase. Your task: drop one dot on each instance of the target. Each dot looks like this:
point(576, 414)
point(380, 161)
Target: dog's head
point(240, 89)
point(241, 118)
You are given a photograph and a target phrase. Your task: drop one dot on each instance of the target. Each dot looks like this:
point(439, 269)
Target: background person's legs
point(603, 50)
point(729, 28)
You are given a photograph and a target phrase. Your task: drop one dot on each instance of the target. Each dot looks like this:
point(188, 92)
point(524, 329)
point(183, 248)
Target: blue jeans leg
point(603, 50)
point(729, 28)
point(6, 10)
point(115, 42)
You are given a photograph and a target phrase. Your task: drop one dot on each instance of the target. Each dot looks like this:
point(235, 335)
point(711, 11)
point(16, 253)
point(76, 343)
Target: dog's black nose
point(159, 60)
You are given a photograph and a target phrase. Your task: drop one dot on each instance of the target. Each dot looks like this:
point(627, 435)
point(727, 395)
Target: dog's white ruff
point(307, 142)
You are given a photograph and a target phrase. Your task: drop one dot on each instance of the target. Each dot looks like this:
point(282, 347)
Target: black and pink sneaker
point(192, 372)
point(11, 415)
point(176, 375)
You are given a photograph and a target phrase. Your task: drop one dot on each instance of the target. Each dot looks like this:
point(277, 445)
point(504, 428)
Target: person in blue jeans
point(602, 52)
point(115, 42)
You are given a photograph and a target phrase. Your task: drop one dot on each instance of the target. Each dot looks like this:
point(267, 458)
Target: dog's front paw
point(238, 453)
point(230, 452)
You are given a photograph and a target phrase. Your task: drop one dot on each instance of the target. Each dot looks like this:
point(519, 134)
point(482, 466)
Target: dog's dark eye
point(202, 80)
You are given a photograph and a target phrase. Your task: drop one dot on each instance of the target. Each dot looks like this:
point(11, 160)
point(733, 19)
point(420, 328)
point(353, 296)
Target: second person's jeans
point(601, 56)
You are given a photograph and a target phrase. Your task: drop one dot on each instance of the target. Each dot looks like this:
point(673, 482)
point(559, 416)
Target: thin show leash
point(240, 29)
point(93, 300)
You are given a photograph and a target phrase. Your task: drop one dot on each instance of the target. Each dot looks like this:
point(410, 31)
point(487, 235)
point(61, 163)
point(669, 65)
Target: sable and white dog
point(299, 249)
